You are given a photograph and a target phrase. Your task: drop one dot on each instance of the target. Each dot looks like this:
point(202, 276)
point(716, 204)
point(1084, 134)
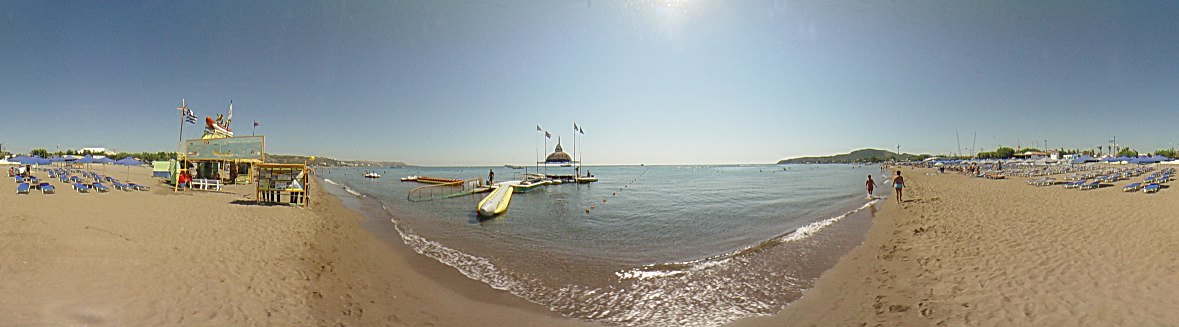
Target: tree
point(1127, 152)
point(40, 152)
point(1165, 152)
point(1004, 152)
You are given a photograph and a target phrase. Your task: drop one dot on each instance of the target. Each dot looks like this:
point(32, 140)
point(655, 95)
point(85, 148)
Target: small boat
point(211, 125)
point(372, 175)
point(497, 202)
point(513, 167)
point(410, 178)
point(585, 180)
point(436, 180)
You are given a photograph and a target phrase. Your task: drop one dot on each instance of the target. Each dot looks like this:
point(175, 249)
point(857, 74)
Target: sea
point(646, 245)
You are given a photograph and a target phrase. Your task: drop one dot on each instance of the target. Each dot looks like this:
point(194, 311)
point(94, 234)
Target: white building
point(97, 151)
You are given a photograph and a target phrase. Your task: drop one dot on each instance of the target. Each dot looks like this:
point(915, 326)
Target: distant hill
point(857, 156)
point(329, 162)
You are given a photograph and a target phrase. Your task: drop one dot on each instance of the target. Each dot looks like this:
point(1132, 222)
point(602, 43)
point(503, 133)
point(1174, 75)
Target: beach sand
point(966, 251)
point(216, 258)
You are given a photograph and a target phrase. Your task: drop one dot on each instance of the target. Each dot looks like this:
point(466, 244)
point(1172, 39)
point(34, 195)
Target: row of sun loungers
point(79, 184)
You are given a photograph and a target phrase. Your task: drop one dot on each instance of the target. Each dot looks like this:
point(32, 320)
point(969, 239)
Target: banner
point(230, 148)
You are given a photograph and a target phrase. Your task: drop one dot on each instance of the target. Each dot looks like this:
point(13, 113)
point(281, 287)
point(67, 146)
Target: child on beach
point(898, 183)
point(871, 185)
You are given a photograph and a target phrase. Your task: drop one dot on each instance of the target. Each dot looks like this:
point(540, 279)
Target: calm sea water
point(659, 246)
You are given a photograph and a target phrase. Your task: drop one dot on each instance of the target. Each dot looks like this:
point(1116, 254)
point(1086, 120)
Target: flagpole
point(546, 147)
point(183, 115)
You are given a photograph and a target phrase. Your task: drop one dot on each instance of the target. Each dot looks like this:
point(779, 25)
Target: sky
point(654, 82)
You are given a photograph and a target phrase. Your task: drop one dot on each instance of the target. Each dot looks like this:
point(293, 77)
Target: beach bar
point(283, 183)
point(227, 160)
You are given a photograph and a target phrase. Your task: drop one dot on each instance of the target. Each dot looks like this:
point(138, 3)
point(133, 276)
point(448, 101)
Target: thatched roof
point(558, 155)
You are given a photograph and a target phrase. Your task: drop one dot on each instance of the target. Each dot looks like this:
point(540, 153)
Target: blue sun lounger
point(47, 189)
point(137, 187)
point(81, 188)
point(1132, 187)
point(23, 188)
point(1090, 186)
point(100, 188)
point(120, 186)
point(1153, 187)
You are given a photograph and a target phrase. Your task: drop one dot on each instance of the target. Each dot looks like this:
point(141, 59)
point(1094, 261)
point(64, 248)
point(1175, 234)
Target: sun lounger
point(1090, 186)
point(1154, 187)
point(23, 188)
point(120, 186)
point(1075, 184)
point(47, 189)
point(1132, 187)
point(100, 188)
point(81, 188)
point(137, 187)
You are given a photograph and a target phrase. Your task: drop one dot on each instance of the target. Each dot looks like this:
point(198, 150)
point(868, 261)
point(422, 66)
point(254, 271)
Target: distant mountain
point(857, 156)
point(329, 162)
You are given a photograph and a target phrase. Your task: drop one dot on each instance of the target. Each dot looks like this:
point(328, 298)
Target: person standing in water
point(490, 176)
point(898, 183)
point(871, 185)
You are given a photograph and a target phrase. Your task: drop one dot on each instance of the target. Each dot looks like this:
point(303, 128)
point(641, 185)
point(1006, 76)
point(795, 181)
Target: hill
point(329, 162)
point(857, 156)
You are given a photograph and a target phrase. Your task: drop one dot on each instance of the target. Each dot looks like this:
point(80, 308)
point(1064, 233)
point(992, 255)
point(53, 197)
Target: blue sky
point(656, 82)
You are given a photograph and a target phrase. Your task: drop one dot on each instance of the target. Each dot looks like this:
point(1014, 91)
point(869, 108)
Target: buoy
point(586, 210)
point(603, 200)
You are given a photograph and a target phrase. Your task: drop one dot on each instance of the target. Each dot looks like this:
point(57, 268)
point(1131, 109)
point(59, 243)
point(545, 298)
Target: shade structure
point(129, 161)
point(87, 159)
point(104, 161)
point(42, 161)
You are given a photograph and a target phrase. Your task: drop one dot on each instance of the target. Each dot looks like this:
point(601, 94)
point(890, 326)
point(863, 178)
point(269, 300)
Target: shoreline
point(462, 301)
point(369, 215)
point(836, 238)
point(973, 251)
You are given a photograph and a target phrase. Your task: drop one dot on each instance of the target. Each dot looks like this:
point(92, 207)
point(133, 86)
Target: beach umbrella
point(43, 161)
point(129, 161)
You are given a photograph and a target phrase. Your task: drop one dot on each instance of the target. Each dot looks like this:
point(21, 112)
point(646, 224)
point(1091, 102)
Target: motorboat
point(372, 175)
point(410, 178)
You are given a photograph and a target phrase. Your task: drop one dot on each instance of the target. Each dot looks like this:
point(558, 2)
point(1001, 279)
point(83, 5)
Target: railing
point(444, 191)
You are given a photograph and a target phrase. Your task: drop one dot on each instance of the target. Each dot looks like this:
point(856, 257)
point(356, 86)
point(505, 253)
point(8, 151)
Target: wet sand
point(976, 252)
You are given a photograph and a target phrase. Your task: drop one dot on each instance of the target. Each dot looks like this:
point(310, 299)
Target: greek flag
point(190, 117)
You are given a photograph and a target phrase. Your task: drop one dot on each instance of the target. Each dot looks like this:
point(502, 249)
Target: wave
point(679, 268)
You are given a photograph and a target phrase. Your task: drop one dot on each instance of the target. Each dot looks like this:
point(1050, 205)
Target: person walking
point(899, 184)
point(871, 186)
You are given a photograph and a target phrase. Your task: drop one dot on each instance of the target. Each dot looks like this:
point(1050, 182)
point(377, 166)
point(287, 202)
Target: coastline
point(971, 251)
point(400, 273)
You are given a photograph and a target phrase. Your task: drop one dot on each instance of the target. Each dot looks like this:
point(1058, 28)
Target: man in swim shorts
point(871, 185)
point(899, 184)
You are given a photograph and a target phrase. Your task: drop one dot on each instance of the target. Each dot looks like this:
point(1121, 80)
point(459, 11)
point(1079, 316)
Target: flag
point(574, 127)
point(256, 123)
point(538, 129)
point(547, 135)
point(230, 118)
point(581, 130)
point(190, 117)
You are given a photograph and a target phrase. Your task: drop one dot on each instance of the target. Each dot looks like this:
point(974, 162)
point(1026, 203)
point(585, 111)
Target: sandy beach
point(977, 252)
point(214, 258)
